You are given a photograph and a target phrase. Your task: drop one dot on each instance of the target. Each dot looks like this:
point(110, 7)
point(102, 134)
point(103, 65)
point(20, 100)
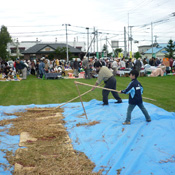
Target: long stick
point(73, 99)
point(48, 109)
point(81, 101)
point(106, 89)
point(95, 86)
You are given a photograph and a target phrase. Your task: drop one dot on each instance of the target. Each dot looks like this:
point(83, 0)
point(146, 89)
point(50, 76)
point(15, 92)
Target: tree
point(117, 51)
point(170, 49)
point(137, 55)
point(5, 38)
point(60, 52)
point(104, 51)
point(105, 48)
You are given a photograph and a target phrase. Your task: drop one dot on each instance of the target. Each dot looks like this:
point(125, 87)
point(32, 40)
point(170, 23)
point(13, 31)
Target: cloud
point(107, 16)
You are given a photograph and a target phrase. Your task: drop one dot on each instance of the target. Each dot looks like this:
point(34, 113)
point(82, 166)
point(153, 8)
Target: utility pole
point(87, 40)
point(125, 47)
point(106, 46)
point(111, 47)
point(97, 43)
point(155, 39)
point(67, 41)
point(128, 33)
point(94, 39)
point(130, 38)
point(90, 45)
point(152, 37)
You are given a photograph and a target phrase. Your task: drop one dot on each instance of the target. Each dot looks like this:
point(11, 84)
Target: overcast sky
point(28, 20)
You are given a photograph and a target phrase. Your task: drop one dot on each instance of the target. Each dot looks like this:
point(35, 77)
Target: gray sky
point(28, 20)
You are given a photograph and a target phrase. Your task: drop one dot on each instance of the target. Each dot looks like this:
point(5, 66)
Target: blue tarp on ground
point(140, 148)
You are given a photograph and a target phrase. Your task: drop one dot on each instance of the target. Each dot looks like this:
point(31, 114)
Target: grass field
point(38, 91)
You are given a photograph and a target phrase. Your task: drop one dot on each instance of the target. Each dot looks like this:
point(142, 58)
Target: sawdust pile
point(48, 148)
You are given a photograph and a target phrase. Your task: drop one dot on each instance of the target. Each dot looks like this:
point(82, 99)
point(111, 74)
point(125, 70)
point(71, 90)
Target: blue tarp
point(140, 148)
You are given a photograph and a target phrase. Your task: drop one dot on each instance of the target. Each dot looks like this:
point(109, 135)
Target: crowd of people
point(105, 69)
point(39, 67)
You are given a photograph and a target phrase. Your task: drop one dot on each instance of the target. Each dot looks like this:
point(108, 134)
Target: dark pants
point(111, 84)
point(87, 73)
point(142, 108)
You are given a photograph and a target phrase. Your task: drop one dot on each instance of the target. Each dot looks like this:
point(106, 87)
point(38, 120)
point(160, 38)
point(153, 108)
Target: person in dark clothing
point(135, 91)
point(6, 70)
point(85, 65)
point(157, 62)
point(42, 67)
point(137, 65)
point(110, 82)
point(21, 66)
point(152, 61)
point(129, 63)
point(75, 67)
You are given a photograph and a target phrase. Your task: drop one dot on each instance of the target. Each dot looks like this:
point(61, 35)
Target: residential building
point(16, 49)
point(158, 51)
point(45, 49)
point(142, 49)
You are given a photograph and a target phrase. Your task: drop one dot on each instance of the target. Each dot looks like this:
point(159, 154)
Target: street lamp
point(66, 41)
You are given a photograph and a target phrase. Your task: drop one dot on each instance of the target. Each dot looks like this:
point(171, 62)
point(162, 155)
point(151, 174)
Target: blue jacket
point(135, 91)
point(20, 66)
point(41, 68)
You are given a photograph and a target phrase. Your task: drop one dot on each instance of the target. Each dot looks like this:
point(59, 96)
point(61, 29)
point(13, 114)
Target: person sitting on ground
point(134, 90)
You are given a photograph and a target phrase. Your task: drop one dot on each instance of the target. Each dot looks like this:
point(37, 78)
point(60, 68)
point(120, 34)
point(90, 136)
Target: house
point(15, 49)
point(142, 49)
point(45, 49)
point(158, 51)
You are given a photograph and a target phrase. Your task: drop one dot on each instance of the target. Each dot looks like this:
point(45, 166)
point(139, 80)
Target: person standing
point(123, 63)
point(137, 65)
point(46, 66)
point(42, 67)
point(173, 68)
point(134, 90)
point(75, 67)
point(85, 65)
point(33, 68)
point(114, 66)
point(110, 82)
point(21, 67)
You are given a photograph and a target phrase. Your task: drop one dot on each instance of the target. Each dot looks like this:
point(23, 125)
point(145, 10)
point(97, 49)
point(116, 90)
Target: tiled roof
point(38, 47)
point(156, 49)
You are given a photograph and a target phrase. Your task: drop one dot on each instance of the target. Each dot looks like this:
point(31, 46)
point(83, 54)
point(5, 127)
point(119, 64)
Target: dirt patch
point(48, 148)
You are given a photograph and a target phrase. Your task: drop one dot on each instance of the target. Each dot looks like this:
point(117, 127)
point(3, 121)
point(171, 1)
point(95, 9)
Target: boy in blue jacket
point(134, 90)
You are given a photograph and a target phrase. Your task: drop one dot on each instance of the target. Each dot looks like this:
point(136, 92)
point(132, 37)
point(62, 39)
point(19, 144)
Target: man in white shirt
point(123, 63)
point(114, 67)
